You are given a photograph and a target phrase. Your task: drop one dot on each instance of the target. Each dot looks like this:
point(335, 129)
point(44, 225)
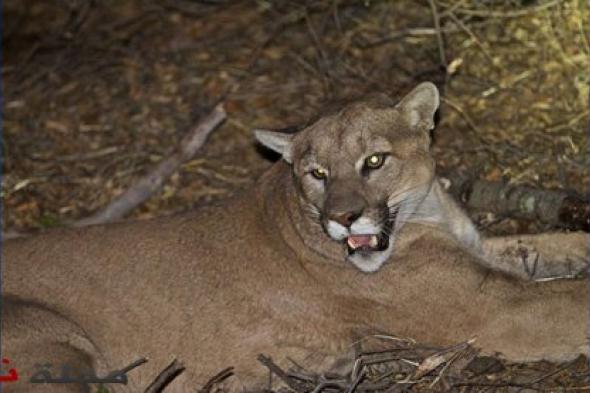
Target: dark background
point(97, 92)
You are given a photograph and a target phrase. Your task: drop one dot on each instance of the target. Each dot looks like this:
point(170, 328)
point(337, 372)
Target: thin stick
point(173, 370)
point(283, 376)
point(355, 383)
point(217, 378)
point(150, 183)
point(439, 37)
point(476, 131)
point(474, 37)
point(508, 14)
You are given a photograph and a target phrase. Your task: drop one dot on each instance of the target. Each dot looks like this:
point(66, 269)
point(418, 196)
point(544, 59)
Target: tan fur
point(259, 274)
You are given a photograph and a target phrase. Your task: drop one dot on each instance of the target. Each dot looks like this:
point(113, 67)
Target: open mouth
point(367, 243)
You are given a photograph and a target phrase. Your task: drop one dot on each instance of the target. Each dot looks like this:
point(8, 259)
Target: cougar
point(349, 234)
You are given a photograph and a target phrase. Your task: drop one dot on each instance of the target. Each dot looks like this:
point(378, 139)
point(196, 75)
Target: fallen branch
point(150, 183)
point(173, 370)
point(553, 207)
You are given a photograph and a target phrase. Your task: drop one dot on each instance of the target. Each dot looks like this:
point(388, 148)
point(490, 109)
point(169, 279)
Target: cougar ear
point(419, 105)
point(277, 141)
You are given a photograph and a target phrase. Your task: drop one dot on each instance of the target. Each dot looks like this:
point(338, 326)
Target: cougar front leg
point(541, 257)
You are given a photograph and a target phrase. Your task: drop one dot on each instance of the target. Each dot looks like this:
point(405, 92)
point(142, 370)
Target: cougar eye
point(374, 161)
point(319, 174)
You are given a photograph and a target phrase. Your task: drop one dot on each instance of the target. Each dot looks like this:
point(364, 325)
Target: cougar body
point(321, 252)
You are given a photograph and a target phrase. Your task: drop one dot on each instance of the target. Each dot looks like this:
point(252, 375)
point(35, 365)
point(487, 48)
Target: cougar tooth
point(374, 241)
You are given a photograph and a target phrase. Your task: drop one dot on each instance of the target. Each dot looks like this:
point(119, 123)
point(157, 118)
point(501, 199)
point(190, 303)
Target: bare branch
point(150, 183)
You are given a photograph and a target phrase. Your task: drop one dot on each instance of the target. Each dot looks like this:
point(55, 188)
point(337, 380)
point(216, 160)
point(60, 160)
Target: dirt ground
point(97, 92)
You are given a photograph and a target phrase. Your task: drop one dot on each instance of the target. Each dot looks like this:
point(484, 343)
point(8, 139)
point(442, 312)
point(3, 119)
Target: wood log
point(557, 208)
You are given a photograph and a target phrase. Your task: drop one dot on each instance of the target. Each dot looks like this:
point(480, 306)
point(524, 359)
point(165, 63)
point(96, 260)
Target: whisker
point(313, 212)
point(393, 198)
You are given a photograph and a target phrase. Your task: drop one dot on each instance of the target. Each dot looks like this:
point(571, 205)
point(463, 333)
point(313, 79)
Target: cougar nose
point(346, 219)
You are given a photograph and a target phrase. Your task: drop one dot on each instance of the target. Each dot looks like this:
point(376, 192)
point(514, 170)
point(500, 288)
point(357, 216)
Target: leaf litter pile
point(96, 93)
point(403, 365)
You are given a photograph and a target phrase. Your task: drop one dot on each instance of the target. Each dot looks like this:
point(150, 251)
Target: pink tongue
point(356, 241)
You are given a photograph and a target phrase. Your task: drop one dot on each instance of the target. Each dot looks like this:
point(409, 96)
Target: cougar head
point(362, 172)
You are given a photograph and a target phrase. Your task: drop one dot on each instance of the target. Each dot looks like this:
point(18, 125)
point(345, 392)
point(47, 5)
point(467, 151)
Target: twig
point(582, 31)
point(477, 132)
point(508, 14)
point(444, 369)
point(87, 156)
point(173, 370)
point(217, 378)
point(452, 8)
point(150, 183)
point(266, 361)
point(328, 383)
point(321, 58)
point(439, 37)
point(356, 382)
point(474, 37)
point(410, 31)
point(336, 17)
point(78, 17)
point(494, 386)
point(554, 372)
point(440, 357)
